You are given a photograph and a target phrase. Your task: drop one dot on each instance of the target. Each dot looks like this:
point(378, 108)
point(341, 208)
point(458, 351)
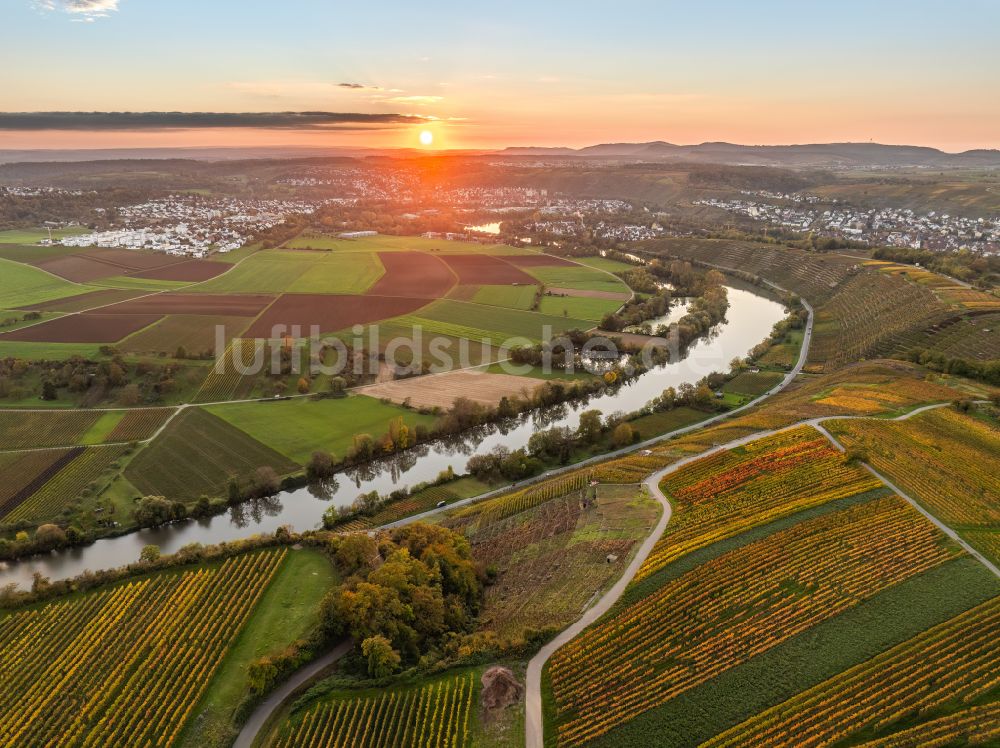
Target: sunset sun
point(426, 137)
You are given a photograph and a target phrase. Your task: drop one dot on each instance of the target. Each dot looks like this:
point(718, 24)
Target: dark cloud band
point(193, 120)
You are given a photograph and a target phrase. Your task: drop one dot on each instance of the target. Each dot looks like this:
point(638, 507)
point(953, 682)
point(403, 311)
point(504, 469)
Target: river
point(748, 321)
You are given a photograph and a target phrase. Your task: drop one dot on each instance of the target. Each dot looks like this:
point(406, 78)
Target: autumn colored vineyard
point(66, 485)
point(732, 608)
point(433, 716)
point(731, 491)
point(125, 664)
point(942, 458)
point(956, 662)
point(510, 504)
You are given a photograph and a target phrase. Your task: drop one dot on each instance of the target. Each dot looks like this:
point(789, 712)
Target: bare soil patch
point(78, 268)
point(89, 327)
point(486, 270)
point(413, 274)
point(440, 390)
point(330, 313)
point(243, 305)
point(84, 301)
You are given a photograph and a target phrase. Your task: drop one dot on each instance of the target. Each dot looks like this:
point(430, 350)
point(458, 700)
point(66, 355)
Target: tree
point(589, 430)
point(383, 660)
point(623, 435)
point(338, 387)
point(149, 554)
point(321, 466)
point(49, 391)
point(153, 511)
point(50, 536)
point(130, 396)
point(264, 481)
point(355, 552)
point(303, 385)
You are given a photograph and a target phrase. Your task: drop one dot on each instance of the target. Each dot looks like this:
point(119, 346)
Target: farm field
point(33, 236)
point(552, 560)
point(26, 472)
point(102, 652)
point(580, 307)
point(297, 428)
point(441, 390)
point(582, 278)
point(280, 271)
point(211, 451)
point(87, 327)
point(298, 314)
point(944, 459)
point(514, 297)
point(438, 713)
point(747, 601)
point(23, 285)
point(753, 384)
point(85, 301)
point(288, 610)
point(478, 322)
point(484, 269)
point(603, 263)
point(390, 243)
point(413, 274)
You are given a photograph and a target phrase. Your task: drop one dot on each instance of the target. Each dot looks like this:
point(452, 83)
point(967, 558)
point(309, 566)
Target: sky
point(489, 75)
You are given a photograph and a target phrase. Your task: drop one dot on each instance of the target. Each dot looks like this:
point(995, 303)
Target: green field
point(128, 283)
point(477, 322)
point(514, 297)
point(386, 243)
point(103, 426)
point(603, 263)
point(288, 610)
point(33, 236)
point(754, 384)
point(211, 452)
point(297, 428)
point(583, 278)
point(21, 285)
point(277, 271)
point(578, 306)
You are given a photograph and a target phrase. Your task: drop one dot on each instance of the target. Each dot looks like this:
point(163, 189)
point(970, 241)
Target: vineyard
point(946, 668)
point(227, 378)
point(731, 491)
point(811, 275)
point(435, 715)
point(211, 452)
point(491, 511)
point(140, 424)
point(25, 472)
point(66, 485)
point(871, 315)
point(27, 430)
point(126, 664)
point(732, 608)
point(987, 541)
point(944, 459)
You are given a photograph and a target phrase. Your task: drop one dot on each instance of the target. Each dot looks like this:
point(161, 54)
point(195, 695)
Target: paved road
point(273, 702)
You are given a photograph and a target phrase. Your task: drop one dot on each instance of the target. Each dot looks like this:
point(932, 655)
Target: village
point(896, 227)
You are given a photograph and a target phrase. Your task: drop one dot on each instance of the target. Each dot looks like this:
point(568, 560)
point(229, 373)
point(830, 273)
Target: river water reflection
point(748, 321)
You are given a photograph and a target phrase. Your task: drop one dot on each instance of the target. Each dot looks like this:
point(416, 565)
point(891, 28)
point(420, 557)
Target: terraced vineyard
point(228, 378)
point(494, 510)
point(734, 607)
point(435, 715)
point(944, 459)
point(731, 491)
point(935, 678)
point(110, 668)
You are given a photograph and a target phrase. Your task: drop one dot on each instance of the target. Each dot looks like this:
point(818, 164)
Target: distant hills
point(817, 155)
point(812, 155)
